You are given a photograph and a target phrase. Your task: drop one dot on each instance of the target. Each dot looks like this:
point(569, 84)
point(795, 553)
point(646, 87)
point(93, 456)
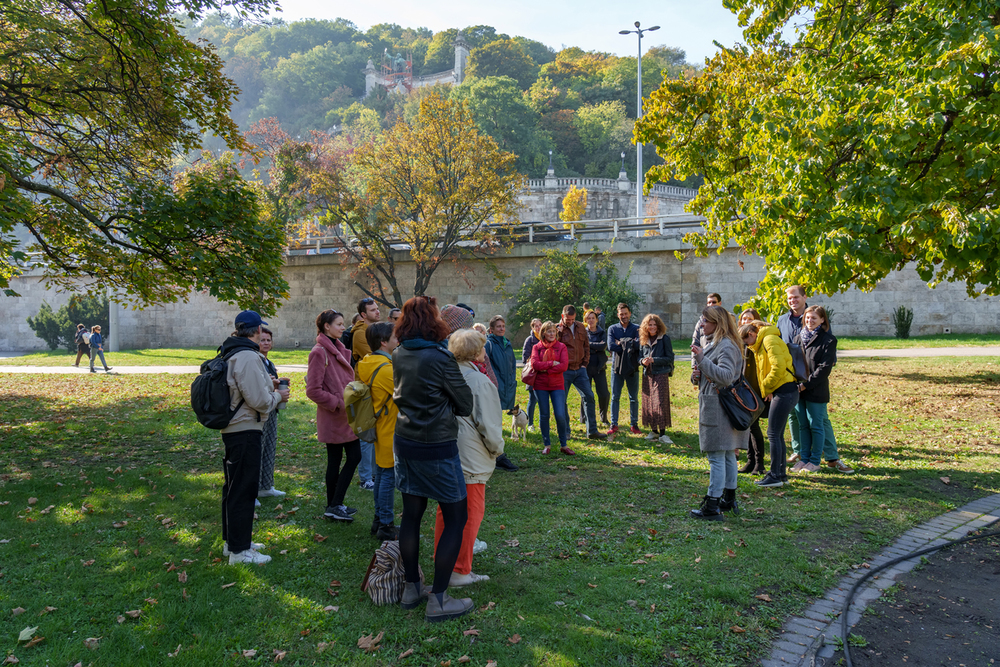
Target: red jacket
point(542, 357)
point(329, 372)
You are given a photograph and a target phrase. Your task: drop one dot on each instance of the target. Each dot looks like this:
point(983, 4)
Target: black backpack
point(210, 393)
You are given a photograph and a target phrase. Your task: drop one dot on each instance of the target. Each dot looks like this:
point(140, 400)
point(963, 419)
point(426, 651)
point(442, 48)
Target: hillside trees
point(96, 99)
point(867, 143)
point(504, 57)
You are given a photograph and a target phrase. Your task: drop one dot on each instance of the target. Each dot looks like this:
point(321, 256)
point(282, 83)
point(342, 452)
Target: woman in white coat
point(720, 363)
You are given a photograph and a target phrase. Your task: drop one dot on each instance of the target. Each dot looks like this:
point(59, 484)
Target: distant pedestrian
point(623, 343)
point(430, 394)
point(328, 372)
point(82, 341)
point(529, 344)
point(269, 437)
point(755, 452)
point(721, 361)
point(656, 356)
point(550, 359)
point(97, 348)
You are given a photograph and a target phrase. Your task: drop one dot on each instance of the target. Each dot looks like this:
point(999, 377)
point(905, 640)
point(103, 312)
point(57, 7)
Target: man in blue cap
point(253, 394)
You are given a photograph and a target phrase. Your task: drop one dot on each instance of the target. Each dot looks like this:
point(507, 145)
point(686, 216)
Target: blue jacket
point(501, 355)
point(529, 343)
point(96, 341)
point(789, 326)
point(616, 332)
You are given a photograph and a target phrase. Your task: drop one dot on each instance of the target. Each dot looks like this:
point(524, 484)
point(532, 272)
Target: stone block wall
point(675, 290)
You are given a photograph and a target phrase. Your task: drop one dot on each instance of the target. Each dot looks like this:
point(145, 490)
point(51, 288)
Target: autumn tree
point(436, 187)
point(574, 205)
point(96, 100)
point(866, 144)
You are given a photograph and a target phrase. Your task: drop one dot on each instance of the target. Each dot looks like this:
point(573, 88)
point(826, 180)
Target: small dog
point(518, 423)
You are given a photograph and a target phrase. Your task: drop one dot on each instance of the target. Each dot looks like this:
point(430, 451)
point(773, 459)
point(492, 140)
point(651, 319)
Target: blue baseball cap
point(249, 318)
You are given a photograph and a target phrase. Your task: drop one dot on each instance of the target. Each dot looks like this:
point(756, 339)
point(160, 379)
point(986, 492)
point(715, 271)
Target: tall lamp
point(639, 176)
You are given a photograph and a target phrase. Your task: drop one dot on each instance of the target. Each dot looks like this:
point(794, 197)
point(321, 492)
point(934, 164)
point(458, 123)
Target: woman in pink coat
point(329, 372)
point(549, 358)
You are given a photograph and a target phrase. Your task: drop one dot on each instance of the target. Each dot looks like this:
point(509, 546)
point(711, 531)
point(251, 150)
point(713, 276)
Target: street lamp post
point(639, 177)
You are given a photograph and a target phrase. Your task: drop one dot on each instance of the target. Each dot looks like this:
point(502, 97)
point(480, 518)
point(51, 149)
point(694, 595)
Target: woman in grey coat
point(720, 363)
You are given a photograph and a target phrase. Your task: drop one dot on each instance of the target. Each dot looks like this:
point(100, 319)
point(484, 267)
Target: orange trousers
point(476, 494)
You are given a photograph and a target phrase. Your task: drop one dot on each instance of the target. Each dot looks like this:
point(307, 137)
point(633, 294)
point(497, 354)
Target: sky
point(592, 25)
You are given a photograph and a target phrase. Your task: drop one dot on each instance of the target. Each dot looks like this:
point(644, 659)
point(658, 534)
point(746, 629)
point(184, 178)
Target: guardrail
point(531, 232)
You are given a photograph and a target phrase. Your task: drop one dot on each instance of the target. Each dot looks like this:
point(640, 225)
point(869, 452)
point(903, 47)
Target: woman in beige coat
point(480, 442)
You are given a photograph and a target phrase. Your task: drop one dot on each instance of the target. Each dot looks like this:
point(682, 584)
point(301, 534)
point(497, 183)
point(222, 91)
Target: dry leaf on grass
point(249, 653)
point(87, 563)
point(322, 646)
point(464, 659)
point(514, 639)
point(319, 538)
point(737, 629)
point(182, 576)
point(37, 639)
point(331, 608)
point(763, 596)
point(135, 613)
point(49, 610)
point(120, 524)
point(369, 643)
point(405, 654)
point(491, 663)
point(335, 583)
point(571, 468)
point(26, 634)
point(638, 561)
point(946, 480)
point(446, 663)
point(176, 651)
point(17, 610)
point(512, 543)
point(11, 660)
point(92, 642)
point(730, 553)
point(471, 631)
point(488, 606)
point(279, 655)
point(121, 619)
point(228, 585)
point(592, 585)
point(32, 501)
point(698, 559)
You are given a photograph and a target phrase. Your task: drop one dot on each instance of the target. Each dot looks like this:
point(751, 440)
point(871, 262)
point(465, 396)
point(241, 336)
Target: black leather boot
point(728, 502)
point(709, 510)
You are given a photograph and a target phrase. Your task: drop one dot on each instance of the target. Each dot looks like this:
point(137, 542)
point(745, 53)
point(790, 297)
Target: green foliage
point(504, 57)
point(59, 327)
point(561, 277)
point(864, 145)
point(902, 319)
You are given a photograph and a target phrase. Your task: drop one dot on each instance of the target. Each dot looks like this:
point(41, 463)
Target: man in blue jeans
point(574, 336)
point(623, 342)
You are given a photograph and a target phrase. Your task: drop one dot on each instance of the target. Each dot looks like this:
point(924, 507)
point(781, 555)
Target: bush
point(902, 318)
point(562, 278)
point(59, 327)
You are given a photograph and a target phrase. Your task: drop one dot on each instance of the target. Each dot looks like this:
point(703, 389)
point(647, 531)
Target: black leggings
point(783, 400)
point(455, 515)
point(337, 483)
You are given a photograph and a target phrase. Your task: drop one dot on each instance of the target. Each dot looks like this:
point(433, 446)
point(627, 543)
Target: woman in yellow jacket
point(776, 379)
point(378, 364)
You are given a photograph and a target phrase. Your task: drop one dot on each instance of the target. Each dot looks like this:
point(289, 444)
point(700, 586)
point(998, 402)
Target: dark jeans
point(600, 388)
point(782, 403)
point(385, 495)
point(241, 469)
point(558, 397)
point(632, 384)
point(454, 515)
point(579, 379)
point(755, 455)
point(338, 481)
point(532, 402)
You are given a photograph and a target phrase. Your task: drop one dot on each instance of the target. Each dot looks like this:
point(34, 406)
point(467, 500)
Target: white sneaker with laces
point(665, 439)
point(478, 547)
point(256, 546)
point(271, 493)
point(458, 580)
point(653, 435)
point(250, 556)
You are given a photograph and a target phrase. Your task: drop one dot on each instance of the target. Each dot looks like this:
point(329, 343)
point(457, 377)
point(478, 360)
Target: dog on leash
point(518, 423)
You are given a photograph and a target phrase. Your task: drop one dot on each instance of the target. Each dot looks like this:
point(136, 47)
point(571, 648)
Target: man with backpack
point(252, 397)
point(82, 343)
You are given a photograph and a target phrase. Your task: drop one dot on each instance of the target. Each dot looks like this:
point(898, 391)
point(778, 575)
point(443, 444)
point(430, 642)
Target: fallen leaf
point(182, 576)
point(698, 559)
point(369, 643)
point(135, 613)
point(184, 593)
point(249, 653)
point(121, 619)
point(405, 654)
point(331, 608)
point(92, 642)
point(488, 606)
point(854, 492)
point(49, 610)
point(763, 596)
point(650, 556)
point(48, 509)
point(514, 639)
point(32, 501)
point(730, 553)
point(186, 561)
point(37, 639)
point(946, 480)
point(305, 633)
point(446, 663)
point(592, 585)
point(228, 585)
point(87, 563)
point(120, 524)
point(319, 538)
point(780, 494)
point(464, 659)
point(279, 655)
point(491, 663)
point(638, 561)
point(322, 646)
point(18, 610)
point(527, 553)
point(471, 631)
point(512, 543)
point(283, 552)
point(737, 629)
point(171, 568)
point(641, 581)
point(664, 575)
point(335, 583)
point(11, 660)
point(571, 468)
point(150, 600)
point(176, 651)
point(26, 634)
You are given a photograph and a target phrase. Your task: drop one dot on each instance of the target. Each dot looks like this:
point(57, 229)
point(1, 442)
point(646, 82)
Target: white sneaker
point(256, 546)
point(271, 493)
point(458, 580)
point(478, 547)
point(652, 435)
point(665, 439)
point(250, 556)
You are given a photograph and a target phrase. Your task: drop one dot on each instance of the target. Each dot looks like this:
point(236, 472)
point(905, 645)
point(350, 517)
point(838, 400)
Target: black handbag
point(740, 403)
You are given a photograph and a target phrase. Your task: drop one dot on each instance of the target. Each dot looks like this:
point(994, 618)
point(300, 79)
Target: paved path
point(810, 638)
point(990, 351)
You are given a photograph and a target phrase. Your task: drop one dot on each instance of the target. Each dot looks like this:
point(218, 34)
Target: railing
point(612, 184)
point(532, 232)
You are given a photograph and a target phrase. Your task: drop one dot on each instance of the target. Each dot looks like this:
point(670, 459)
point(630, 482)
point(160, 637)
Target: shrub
point(902, 318)
point(59, 327)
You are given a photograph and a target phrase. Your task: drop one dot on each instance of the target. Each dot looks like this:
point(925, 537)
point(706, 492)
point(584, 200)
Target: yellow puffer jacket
point(385, 427)
point(774, 362)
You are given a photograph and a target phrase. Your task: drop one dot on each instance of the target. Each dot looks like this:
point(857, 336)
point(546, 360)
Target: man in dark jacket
point(501, 356)
point(623, 342)
point(574, 336)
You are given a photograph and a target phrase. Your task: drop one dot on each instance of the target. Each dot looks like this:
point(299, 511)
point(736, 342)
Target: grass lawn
point(109, 529)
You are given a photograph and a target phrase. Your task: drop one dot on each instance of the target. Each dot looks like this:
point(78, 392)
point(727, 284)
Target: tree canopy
point(867, 143)
point(96, 101)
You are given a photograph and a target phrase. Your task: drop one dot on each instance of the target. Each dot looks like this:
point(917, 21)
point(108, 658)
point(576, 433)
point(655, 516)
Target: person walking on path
point(430, 393)
point(253, 395)
point(269, 437)
point(656, 356)
point(721, 362)
point(755, 452)
point(500, 354)
point(369, 314)
point(712, 299)
point(480, 442)
point(574, 336)
point(819, 347)
point(529, 344)
point(597, 367)
point(376, 370)
point(97, 348)
point(550, 359)
point(790, 324)
point(82, 340)
point(777, 384)
point(623, 342)
point(328, 372)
